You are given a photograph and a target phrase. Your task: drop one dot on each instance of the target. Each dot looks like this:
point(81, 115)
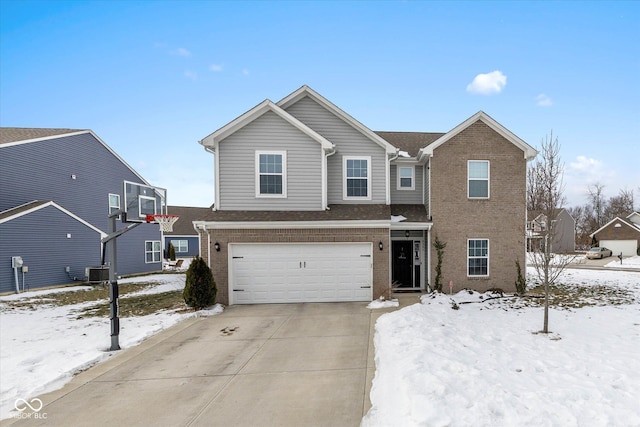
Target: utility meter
point(16, 262)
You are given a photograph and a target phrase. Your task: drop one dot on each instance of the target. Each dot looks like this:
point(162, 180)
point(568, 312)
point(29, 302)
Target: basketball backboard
point(141, 200)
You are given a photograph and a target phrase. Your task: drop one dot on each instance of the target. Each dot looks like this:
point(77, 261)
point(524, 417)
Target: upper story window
point(478, 179)
point(357, 178)
point(271, 174)
point(478, 257)
point(406, 178)
point(114, 203)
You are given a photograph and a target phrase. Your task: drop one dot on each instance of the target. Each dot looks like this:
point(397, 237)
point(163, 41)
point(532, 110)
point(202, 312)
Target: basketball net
point(166, 221)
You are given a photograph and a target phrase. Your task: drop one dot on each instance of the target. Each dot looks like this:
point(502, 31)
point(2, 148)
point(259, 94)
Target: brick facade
point(500, 219)
point(623, 232)
point(219, 262)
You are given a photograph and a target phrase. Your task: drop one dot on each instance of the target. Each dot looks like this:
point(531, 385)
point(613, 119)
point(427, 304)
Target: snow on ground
point(486, 364)
point(382, 303)
point(632, 262)
point(41, 350)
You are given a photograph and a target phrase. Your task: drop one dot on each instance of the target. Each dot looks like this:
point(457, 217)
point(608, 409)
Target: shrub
point(172, 252)
point(200, 288)
point(521, 283)
point(439, 245)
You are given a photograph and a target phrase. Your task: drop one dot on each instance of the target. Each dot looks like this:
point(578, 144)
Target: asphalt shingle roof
point(411, 142)
point(8, 134)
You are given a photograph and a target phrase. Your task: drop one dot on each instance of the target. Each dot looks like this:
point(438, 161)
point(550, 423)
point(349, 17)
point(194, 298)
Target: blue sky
point(153, 78)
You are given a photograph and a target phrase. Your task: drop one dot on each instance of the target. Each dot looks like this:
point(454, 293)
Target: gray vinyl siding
point(237, 167)
point(40, 238)
point(43, 171)
point(348, 142)
point(407, 197)
point(193, 243)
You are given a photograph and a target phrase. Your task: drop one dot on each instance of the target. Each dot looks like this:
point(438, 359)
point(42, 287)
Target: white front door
point(299, 272)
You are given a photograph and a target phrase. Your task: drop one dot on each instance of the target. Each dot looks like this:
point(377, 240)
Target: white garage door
point(292, 272)
point(627, 247)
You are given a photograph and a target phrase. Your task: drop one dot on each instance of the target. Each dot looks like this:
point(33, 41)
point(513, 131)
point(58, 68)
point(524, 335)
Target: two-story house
point(564, 231)
point(57, 189)
point(311, 205)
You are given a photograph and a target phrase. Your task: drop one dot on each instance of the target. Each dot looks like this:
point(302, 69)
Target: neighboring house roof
point(535, 215)
point(187, 214)
point(17, 136)
point(410, 142)
point(633, 226)
point(257, 111)
point(529, 151)
point(305, 90)
point(8, 134)
point(36, 205)
point(634, 217)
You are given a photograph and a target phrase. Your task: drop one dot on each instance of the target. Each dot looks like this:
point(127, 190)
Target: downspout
point(388, 175)
point(325, 178)
point(215, 172)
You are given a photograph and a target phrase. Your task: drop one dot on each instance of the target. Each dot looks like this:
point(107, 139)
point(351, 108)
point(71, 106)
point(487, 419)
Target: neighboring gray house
point(57, 187)
point(564, 239)
point(185, 238)
point(311, 205)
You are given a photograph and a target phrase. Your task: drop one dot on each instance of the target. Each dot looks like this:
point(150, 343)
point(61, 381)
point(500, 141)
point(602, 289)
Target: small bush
point(521, 283)
point(439, 246)
point(200, 288)
point(172, 252)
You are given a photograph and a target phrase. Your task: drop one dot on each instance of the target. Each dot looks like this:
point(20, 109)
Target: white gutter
point(268, 225)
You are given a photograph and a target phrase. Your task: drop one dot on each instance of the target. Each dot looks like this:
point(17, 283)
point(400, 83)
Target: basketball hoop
point(166, 221)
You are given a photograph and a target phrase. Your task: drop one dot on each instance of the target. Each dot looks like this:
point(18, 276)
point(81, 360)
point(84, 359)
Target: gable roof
point(256, 112)
point(10, 135)
point(634, 217)
point(410, 142)
point(616, 219)
point(17, 136)
point(534, 215)
point(36, 205)
point(305, 90)
point(529, 151)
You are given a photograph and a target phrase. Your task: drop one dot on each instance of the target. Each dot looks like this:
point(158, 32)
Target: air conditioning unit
point(97, 274)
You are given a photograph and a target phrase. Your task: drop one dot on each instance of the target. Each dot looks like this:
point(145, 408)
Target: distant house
point(621, 235)
point(564, 235)
point(313, 206)
point(185, 238)
point(57, 188)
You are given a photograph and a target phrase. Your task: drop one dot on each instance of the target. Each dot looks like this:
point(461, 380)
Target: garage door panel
point(627, 247)
point(281, 273)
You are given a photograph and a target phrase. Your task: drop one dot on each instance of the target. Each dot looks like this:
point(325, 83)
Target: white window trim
point(344, 178)
point(488, 258)
point(284, 175)
point(488, 179)
point(413, 178)
point(152, 251)
point(177, 246)
point(117, 208)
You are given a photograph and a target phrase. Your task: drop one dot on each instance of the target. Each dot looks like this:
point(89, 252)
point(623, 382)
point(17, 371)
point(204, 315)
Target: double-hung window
point(152, 251)
point(357, 178)
point(181, 246)
point(478, 179)
point(406, 178)
point(114, 203)
point(478, 257)
point(271, 174)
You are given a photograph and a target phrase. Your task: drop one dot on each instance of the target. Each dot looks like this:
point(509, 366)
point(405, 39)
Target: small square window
point(152, 249)
point(406, 178)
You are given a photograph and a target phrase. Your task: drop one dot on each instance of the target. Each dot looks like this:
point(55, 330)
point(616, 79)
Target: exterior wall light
point(216, 246)
point(380, 245)
point(406, 234)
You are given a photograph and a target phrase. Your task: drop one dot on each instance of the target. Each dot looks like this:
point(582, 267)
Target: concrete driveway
point(255, 365)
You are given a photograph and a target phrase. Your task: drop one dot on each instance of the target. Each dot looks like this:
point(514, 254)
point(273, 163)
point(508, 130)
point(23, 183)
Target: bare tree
point(620, 205)
point(548, 180)
point(596, 206)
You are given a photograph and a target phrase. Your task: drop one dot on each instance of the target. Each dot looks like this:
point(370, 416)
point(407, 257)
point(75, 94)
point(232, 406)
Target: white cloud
point(487, 84)
point(215, 67)
point(585, 164)
point(245, 72)
point(181, 52)
point(543, 100)
point(191, 75)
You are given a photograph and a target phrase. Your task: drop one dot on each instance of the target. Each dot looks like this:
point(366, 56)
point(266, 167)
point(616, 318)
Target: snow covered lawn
point(42, 346)
point(486, 364)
